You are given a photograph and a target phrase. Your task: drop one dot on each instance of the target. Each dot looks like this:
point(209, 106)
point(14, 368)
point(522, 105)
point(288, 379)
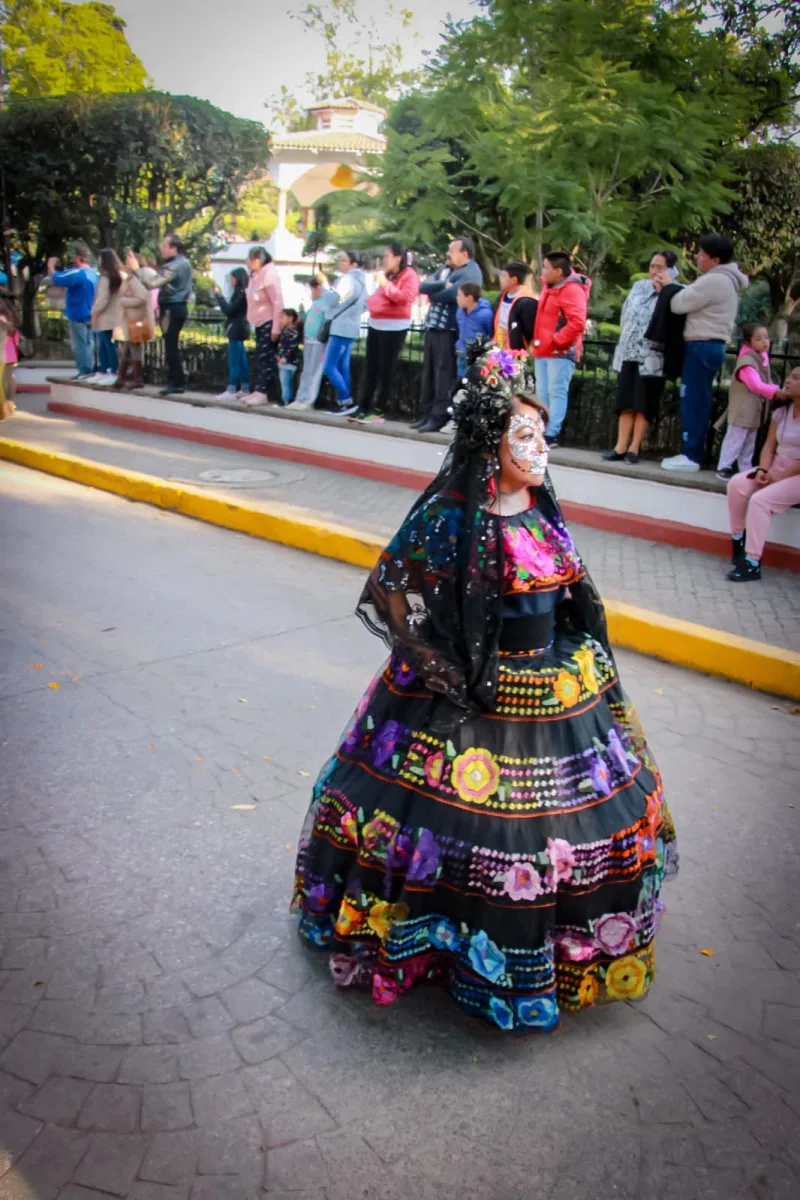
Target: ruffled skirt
point(519, 861)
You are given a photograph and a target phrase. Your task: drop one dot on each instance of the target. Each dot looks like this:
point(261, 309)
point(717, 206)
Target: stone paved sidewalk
point(666, 579)
point(164, 1036)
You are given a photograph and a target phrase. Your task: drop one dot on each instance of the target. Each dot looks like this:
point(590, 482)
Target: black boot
point(745, 572)
point(737, 548)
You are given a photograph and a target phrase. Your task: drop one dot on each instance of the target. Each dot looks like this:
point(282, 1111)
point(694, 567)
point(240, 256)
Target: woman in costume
point(492, 817)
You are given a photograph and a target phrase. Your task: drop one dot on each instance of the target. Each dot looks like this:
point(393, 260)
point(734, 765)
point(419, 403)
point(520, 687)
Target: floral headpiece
point(483, 402)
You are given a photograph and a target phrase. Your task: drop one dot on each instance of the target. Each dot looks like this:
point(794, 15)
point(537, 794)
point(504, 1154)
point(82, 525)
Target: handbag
point(139, 330)
point(325, 332)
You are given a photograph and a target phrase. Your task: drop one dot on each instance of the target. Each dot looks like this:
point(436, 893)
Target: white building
point(310, 164)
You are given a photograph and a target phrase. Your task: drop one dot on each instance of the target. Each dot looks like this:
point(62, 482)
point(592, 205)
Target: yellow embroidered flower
point(381, 916)
point(585, 661)
point(567, 689)
point(626, 978)
point(475, 775)
point(349, 918)
point(587, 992)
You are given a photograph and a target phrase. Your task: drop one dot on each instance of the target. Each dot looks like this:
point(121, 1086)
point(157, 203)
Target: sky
point(236, 53)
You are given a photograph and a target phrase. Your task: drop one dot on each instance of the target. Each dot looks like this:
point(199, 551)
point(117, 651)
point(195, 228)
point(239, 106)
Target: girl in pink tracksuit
point(773, 487)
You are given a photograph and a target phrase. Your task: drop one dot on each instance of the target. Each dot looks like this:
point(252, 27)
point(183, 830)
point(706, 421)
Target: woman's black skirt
point(639, 393)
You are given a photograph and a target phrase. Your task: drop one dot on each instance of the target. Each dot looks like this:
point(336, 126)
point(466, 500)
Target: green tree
point(359, 62)
point(52, 48)
point(764, 223)
point(114, 170)
point(603, 126)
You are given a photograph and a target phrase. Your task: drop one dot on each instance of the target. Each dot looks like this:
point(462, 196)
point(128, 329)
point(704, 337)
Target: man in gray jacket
point(710, 304)
point(175, 284)
point(439, 357)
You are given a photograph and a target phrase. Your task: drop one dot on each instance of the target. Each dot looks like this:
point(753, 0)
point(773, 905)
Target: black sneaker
point(745, 572)
point(737, 548)
point(552, 442)
point(171, 391)
point(631, 458)
point(726, 473)
point(609, 456)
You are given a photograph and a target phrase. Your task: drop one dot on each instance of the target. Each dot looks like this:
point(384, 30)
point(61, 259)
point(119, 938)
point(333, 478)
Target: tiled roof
point(329, 139)
point(348, 102)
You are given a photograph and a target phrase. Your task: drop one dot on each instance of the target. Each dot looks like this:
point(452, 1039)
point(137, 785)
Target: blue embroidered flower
point(443, 935)
point(425, 860)
point(487, 958)
point(538, 1012)
point(502, 1014)
point(317, 930)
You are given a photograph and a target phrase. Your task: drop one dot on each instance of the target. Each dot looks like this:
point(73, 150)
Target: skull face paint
point(526, 442)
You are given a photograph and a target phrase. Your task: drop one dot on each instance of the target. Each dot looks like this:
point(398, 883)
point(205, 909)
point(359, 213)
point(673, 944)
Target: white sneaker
point(93, 378)
point(679, 462)
point(107, 379)
point(254, 399)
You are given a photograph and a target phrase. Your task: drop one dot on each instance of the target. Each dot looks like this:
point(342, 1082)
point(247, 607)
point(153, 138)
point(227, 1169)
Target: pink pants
point(763, 502)
point(738, 448)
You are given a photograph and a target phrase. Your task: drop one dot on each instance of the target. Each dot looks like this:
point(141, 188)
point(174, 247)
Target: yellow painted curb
point(755, 664)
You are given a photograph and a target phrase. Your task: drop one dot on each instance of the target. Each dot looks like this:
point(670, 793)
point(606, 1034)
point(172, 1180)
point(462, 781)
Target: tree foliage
point(606, 127)
point(359, 60)
point(52, 48)
point(117, 170)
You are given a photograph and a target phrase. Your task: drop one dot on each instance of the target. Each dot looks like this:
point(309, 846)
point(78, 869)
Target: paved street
point(164, 1036)
point(667, 579)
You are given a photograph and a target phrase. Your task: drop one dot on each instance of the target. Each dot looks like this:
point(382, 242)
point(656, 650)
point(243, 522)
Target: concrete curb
point(756, 664)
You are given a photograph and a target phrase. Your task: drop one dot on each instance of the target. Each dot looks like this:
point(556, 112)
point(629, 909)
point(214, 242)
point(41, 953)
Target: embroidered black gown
point(517, 859)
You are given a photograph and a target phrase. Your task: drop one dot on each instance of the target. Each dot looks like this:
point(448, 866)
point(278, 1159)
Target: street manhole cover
point(238, 476)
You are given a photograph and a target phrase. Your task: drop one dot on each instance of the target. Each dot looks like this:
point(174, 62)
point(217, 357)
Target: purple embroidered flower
point(613, 932)
point(404, 673)
point(320, 896)
point(574, 946)
point(385, 741)
point(616, 752)
point(487, 958)
point(522, 881)
point(352, 737)
point(399, 853)
point(562, 858)
point(601, 779)
point(425, 859)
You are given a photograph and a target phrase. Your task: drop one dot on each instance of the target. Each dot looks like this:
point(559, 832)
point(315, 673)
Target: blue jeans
point(702, 362)
point(337, 365)
point(238, 369)
point(553, 377)
point(106, 351)
point(82, 340)
point(286, 373)
point(461, 367)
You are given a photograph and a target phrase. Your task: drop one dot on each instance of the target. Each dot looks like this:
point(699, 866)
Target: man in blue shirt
point(80, 280)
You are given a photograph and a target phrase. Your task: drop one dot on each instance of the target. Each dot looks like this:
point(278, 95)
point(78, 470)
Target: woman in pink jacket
point(389, 321)
point(264, 304)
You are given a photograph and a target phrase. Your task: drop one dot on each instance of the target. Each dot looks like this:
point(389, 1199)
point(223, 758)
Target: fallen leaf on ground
point(38, 983)
point(148, 746)
point(795, 709)
point(34, 666)
point(659, 691)
point(242, 700)
point(75, 678)
point(198, 758)
point(707, 953)
point(235, 770)
point(242, 807)
point(288, 846)
point(266, 758)
point(55, 686)
point(307, 774)
point(712, 1037)
point(108, 629)
point(42, 639)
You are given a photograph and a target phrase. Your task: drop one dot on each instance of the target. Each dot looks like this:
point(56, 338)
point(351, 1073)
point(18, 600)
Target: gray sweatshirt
point(711, 303)
point(175, 281)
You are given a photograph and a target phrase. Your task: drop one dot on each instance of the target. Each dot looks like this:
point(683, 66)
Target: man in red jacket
point(558, 335)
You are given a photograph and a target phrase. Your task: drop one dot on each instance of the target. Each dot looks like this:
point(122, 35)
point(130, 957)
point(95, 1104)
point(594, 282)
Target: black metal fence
point(591, 418)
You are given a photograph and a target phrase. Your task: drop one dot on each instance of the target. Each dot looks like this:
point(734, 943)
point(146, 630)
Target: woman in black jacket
point(237, 328)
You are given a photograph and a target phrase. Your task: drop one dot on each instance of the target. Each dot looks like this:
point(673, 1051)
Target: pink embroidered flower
point(523, 551)
point(574, 947)
point(349, 827)
point(343, 969)
point(434, 768)
point(522, 882)
point(384, 991)
point(614, 931)
point(562, 856)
